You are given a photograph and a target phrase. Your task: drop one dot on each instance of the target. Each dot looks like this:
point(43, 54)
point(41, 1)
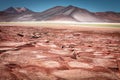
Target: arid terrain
point(60, 53)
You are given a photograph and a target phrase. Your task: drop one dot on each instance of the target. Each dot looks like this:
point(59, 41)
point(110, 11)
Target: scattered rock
point(47, 41)
point(36, 35)
point(12, 65)
point(20, 34)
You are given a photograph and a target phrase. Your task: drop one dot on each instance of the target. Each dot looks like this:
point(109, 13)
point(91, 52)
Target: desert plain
point(59, 51)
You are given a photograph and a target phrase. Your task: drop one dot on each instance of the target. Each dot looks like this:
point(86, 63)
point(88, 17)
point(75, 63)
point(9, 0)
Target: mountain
point(76, 14)
point(14, 13)
point(69, 13)
point(58, 13)
point(109, 15)
point(16, 10)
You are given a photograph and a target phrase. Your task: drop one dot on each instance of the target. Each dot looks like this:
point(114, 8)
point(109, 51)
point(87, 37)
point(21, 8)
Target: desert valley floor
point(41, 53)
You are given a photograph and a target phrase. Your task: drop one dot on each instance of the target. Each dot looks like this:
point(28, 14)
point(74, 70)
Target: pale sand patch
point(72, 74)
point(34, 52)
point(109, 57)
point(51, 64)
point(53, 45)
point(61, 52)
point(6, 48)
point(39, 44)
point(104, 62)
point(40, 56)
point(79, 64)
point(23, 71)
point(12, 43)
point(46, 45)
point(13, 52)
point(89, 50)
point(80, 74)
point(66, 25)
point(98, 53)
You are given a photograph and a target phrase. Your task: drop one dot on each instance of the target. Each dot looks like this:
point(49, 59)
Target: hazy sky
point(40, 5)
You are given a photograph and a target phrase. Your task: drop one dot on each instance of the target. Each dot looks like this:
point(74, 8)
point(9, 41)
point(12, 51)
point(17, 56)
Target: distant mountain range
point(58, 13)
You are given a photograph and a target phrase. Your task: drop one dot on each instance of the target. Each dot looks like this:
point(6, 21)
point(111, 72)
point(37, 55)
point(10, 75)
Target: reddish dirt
point(32, 53)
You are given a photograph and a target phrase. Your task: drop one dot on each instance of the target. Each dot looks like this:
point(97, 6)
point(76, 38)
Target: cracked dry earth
point(28, 53)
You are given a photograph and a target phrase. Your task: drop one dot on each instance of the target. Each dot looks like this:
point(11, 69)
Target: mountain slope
point(113, 16)
point(79, 14)
point(16, 10)
point(58, 13)
point(69, 13)
point(14, 13)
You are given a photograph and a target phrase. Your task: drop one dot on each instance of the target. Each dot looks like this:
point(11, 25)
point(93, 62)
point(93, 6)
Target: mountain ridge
point(58, 13)
point(15, 10)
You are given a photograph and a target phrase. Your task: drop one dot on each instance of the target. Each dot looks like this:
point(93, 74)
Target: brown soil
point(38, 53)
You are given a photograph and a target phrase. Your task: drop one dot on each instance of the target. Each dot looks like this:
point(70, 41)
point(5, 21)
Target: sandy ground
point(59, 52)
point(67, 25)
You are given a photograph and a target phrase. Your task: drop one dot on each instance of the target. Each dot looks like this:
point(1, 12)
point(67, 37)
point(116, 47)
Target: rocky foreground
point(28, 53)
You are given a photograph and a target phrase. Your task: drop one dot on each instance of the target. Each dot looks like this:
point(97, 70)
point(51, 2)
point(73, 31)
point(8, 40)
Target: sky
point(41, 5)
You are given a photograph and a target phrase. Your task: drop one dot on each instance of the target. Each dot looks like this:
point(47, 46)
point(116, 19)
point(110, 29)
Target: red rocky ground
point(28, 53)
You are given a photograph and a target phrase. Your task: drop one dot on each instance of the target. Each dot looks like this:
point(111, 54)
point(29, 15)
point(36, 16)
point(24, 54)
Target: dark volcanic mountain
point(12, 13)
point(75, 14)
point(113, 16)
point(58, 13)
point(15, 10)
